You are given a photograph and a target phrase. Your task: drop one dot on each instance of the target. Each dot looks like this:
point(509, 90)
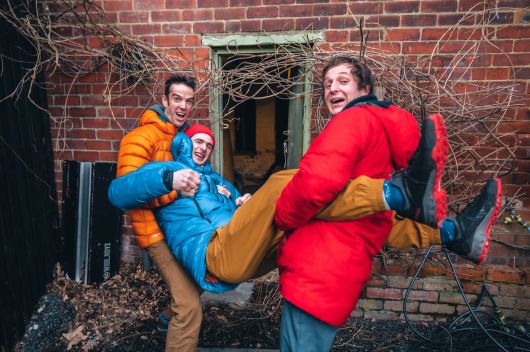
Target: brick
point(427, 296)
point(139, 29)
point(278, 24)
point(120, 5)
point(428, 270)
point(229, 14)
point(336, 36)
point(176, 28)
point(358, 313)
point(402, 6)
point(371, 304)
point(197, 15)
point(418, 47)
point(69, 100)
point(109, 134)
point(455, 298)
point(207, 27)
point(382, 20)
point(251, 26)
point(397, 306)
point(166, 16)
point(277, 2)
point(376, 281)
point(419, 317)
point(504, 274)
point(211, 3)
point(513, 32)
point(366, 8)
point(181, 4)
point(244, 3)
point(108, 156)
point(380, 315)
point(133, 17)
point(438, 284)
point(521, 45)
point(86, 155)
point(329, 9)
point(439, 33)
point(98, 145)
point(371, 35)
point(140, 5)
point(386, 293)
point(403, 34)
point(437, 6)
point(417, 21)
point(312, 23)
point(502, 302)
point(514, 291)
point(115, 111)
point(516, 126)
point(523, 303)
point(454, 19)
point(285, 11)
point(400, 282)
point(169, 41)
point(81, 112)
point(123, 124)
point(341, 22)
point(263, 12)
point(429, 308)
point(522, 73)
point(95, 123)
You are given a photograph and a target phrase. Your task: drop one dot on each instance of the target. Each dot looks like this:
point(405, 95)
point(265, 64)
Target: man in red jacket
point(325, 264)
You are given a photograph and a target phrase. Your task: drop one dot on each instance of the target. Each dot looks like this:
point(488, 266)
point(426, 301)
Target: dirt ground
point(121, 314)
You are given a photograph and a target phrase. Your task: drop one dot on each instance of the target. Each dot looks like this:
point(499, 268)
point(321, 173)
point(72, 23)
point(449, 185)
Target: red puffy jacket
point(325, 264)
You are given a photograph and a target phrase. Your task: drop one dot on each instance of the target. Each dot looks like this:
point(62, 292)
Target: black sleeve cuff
point(168, 180)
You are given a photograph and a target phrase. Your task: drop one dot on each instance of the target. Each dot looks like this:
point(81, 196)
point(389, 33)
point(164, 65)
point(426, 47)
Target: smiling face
point(341, 87)
point(178, 103)
point(202, 148)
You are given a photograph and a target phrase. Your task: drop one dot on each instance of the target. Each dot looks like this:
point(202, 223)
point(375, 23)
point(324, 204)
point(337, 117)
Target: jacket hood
point(400, 126)
point(181, 150)
point(155, 115)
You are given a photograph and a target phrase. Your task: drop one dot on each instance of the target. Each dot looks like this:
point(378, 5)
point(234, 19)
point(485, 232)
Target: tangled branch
point(74, 38)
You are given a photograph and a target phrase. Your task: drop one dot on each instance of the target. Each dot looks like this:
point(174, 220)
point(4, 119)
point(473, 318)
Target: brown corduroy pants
point(245, 248)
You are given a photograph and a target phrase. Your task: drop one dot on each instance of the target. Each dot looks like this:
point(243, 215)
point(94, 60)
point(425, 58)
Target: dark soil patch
point(121, 315)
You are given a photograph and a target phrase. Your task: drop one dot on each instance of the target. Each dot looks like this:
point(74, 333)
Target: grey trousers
point(301, 332)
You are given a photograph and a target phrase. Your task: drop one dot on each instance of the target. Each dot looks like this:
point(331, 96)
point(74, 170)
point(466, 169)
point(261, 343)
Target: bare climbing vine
point(75, 38)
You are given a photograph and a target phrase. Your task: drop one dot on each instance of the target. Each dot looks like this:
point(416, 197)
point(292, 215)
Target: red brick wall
point(87, 129)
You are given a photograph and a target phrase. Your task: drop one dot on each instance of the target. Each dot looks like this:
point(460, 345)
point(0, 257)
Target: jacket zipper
point(200, 210)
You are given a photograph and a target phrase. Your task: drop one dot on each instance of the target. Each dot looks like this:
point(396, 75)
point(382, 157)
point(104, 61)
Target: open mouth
point(200, 155)
point(337, 100)
point(180, 115)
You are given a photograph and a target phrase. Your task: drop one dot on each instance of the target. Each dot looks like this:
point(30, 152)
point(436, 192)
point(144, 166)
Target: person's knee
point(188, 314)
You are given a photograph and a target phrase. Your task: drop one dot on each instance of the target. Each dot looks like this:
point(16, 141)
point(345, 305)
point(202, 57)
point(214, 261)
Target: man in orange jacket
point(151, 141)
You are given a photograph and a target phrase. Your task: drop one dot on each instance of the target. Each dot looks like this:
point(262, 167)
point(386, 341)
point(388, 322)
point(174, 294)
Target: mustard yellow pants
point(245, 248)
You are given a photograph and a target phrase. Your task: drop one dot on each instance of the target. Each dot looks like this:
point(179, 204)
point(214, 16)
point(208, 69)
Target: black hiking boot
point(473, 224)
point(421, 181)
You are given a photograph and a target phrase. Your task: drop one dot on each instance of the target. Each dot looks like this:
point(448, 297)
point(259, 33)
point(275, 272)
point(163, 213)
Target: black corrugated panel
point(28, 207)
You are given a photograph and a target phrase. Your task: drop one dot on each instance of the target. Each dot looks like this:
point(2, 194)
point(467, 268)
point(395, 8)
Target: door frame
point(262, 43)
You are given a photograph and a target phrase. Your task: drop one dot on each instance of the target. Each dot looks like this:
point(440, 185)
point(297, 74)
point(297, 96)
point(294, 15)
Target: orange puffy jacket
point(151, 141)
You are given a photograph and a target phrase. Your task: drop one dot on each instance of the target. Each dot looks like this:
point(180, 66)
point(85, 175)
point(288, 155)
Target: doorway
point(266, 129)
point(256, 124)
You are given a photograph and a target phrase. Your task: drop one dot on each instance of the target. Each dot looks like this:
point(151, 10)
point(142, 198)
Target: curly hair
point(360, 71)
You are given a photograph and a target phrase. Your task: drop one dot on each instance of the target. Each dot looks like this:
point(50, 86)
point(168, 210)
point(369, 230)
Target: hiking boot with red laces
point(473, 224)
point(421, 182)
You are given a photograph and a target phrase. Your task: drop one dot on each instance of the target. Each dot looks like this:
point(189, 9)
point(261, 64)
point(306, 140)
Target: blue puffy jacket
point(189, 222)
